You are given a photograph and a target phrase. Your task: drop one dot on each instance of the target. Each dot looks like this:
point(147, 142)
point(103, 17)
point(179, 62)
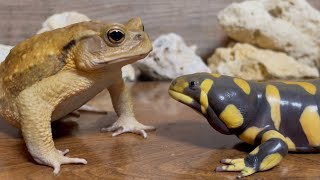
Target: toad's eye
point(116, 36)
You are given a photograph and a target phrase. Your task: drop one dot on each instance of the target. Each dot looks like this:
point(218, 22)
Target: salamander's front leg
point(122, 104)
point(264, 157)
point(36, 131)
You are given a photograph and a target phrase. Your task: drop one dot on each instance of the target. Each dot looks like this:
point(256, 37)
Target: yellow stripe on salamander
point(205, 88)
point(250, 134)
point(181, 97)
point(275, 134)
point(243, 85)
point(231, 116)
point(270, 161)
point(255, 151)
point(291, 145)
point(216, 75)
point(310, 122)
point(273, 98)
point(310, 88)
point(181, 85)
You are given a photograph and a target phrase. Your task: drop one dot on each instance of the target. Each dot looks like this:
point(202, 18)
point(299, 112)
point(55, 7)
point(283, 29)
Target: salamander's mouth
point(211, 116)
point(185, 99)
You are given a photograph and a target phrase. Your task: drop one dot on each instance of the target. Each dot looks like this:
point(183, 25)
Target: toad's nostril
point(138, 36)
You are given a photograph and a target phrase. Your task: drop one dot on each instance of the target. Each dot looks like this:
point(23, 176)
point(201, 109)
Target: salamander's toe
point(236, 165)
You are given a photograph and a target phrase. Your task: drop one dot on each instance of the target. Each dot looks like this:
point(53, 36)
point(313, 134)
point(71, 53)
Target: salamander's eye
point(115, 36)
point(192, 84)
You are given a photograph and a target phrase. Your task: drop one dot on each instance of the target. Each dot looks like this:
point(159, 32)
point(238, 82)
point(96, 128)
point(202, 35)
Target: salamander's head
point(192, 90)
point(187, 89)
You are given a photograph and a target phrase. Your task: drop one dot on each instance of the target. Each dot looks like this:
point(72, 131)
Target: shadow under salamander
point(198, 134)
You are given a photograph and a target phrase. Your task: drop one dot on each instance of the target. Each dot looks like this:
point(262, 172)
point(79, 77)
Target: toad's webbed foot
point(56, 158)
point(126, 125)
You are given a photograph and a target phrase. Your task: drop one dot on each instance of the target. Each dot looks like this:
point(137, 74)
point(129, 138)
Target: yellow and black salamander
point(277, 117)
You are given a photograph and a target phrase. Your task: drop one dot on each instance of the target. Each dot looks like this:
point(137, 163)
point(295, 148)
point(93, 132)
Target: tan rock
point(291, 26)
point(251, 63)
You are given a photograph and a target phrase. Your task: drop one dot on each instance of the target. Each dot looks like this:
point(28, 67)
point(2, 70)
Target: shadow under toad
point(8, 129)
point(63, 127)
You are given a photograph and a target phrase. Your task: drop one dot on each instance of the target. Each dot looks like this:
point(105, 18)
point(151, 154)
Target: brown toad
point(46, 77)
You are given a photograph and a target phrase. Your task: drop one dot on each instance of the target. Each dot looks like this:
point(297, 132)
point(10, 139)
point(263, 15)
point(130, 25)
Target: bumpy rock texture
point(247, 62)
point(66, 18)
point(4, 51)
point(291, 26)
point(170, 58)
point(61, 20)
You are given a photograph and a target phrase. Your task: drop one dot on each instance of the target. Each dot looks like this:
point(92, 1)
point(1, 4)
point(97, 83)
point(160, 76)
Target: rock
point(170, 58)
point(4, 51)
point(61, 20)
point(128, 73)
point(251, 63)
point(67, 18)
point(290, 26)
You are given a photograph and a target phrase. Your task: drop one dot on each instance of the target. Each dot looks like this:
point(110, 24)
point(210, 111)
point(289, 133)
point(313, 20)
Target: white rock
point(287, 25)
point(251, 63)
point(61, 20)
point(170, 58)
point(4, 51)
point(128, 73)
point(67, 18)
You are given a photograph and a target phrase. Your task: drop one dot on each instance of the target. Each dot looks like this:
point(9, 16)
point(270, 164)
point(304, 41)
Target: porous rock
point(251, 63)
point(4, 51)
point(290, 26)
point(61, 20)
point(170, 58)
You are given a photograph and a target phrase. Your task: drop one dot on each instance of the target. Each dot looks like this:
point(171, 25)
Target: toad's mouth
point(125, 60)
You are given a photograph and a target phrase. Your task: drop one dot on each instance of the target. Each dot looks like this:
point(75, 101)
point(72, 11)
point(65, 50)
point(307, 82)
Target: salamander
point(275, 116)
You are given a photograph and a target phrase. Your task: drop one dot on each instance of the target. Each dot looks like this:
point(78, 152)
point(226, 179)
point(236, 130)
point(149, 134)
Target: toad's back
point(40, 56)
point(37, 58)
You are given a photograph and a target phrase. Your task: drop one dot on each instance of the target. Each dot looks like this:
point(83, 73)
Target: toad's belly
point(72, 103)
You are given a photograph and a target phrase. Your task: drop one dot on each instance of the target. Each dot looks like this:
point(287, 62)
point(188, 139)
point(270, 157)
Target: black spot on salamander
point(69, 45)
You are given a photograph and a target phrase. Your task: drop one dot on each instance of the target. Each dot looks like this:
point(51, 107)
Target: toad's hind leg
point(35, 121)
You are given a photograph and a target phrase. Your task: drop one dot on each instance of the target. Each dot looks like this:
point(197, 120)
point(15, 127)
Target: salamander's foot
point(236, 165)
point(128, 124)
point(56, 158)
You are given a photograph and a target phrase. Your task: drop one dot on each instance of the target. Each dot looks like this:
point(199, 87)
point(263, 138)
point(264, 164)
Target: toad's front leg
point(262, 158)
point(122, 104)
point(36, 130)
